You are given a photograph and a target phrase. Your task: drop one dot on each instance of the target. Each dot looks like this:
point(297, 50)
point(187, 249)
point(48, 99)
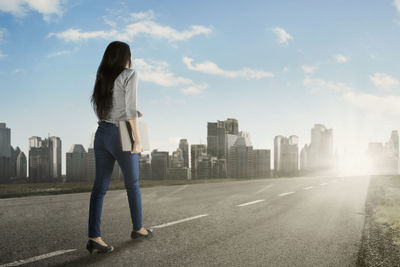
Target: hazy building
point(263, 163)
point(144, 167)
point(5, 153)
point(216, 134)
point(181, 173)
point(318, 155)
point(384, 158)
point(232, 126)
point(241, 159)
point(286, 156)
point(196, 150)
point(184, 146)
point(218, 168)
point(204, 166)
point(177, 160)
point(90, 161)
point(21, 165)
point(5, 141)
point(159, 164)
point(76, 164)
point(44, 159)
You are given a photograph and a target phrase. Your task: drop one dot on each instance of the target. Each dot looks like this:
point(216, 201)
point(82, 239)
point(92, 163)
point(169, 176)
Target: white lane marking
point(263, 189)
point(179, 221)
point(285, 194)
point(323, 183)
point(249, 203)
point(36, 258)
point(170, 194)
point(308, 187)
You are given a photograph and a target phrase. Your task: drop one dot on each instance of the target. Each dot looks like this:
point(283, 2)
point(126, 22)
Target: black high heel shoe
point(135, 235)
point(93, 246)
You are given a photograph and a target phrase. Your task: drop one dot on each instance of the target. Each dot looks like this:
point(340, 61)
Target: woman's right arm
point(131, 110)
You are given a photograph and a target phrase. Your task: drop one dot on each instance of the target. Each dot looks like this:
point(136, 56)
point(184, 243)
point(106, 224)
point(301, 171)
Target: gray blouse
point(124, 97)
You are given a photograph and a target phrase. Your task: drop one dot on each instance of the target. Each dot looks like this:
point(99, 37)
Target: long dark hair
point(114, 61)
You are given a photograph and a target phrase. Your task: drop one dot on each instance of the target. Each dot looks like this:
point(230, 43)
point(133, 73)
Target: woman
point(114, 99)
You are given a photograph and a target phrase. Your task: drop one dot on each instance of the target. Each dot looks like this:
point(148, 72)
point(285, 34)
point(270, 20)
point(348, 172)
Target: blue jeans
point(107, 149)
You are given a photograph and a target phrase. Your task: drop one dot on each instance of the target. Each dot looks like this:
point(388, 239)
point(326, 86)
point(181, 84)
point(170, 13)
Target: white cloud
point(384, 81)
point(148, 15)
point(285, 69)
point(58, 53)
point(341, 58)
point(144, 27)
point(19, 8)
point(157, 72)
point(194, 89)
point(308, 69)
point(319, 84)
point(283, 36)
point(387, 104)
point(396, 3)
point(2, 55)
point(212, 68)
point(380, 104)
point(109, 22)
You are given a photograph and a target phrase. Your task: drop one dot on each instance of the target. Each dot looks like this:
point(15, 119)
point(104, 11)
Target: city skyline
point(226, 146)
point(295, 65)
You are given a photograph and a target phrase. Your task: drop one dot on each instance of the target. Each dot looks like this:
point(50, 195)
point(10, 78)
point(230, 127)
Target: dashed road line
point(308, 187)
point(36, 258)
point(323, 183)
point(179, 221)
point(285, 194)
point(249, 203)
point(264, 188)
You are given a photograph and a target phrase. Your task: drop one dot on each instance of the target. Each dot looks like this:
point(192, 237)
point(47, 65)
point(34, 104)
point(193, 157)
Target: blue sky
point(276, 66)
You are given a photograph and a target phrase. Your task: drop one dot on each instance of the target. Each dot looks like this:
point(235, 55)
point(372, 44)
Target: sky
point(278, 67)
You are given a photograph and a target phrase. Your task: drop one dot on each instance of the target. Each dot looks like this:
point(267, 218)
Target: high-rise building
point(21, 165)
point(76, 164)
point(5, 153)
point(232, 126)
point(44, 159)
point(318, 155)
point(5, 141)
point(263, 163)
point(184, 146)
point(384, 158)
point(144, 167)
point(241, 159)
point(196, 150)
point(204, 166)
point(91, 163)
point(216, 134)
point(159, 164)
point(177, 160)
point(286, 156)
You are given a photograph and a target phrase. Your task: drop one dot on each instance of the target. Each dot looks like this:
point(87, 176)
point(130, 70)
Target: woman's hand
point(137, 147)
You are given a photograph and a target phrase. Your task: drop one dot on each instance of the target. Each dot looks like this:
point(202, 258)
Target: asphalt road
point(304, 221)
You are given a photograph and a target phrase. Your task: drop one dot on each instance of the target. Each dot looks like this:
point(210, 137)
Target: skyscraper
point(318, 155)
point(159, 164)
point(196, 150)
point(76, 164)
point(44, 159)
point(21, 165)
point(286, 155)
point(263, 162)
point(184, 146)
point(241, 160)
point(5, 153)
